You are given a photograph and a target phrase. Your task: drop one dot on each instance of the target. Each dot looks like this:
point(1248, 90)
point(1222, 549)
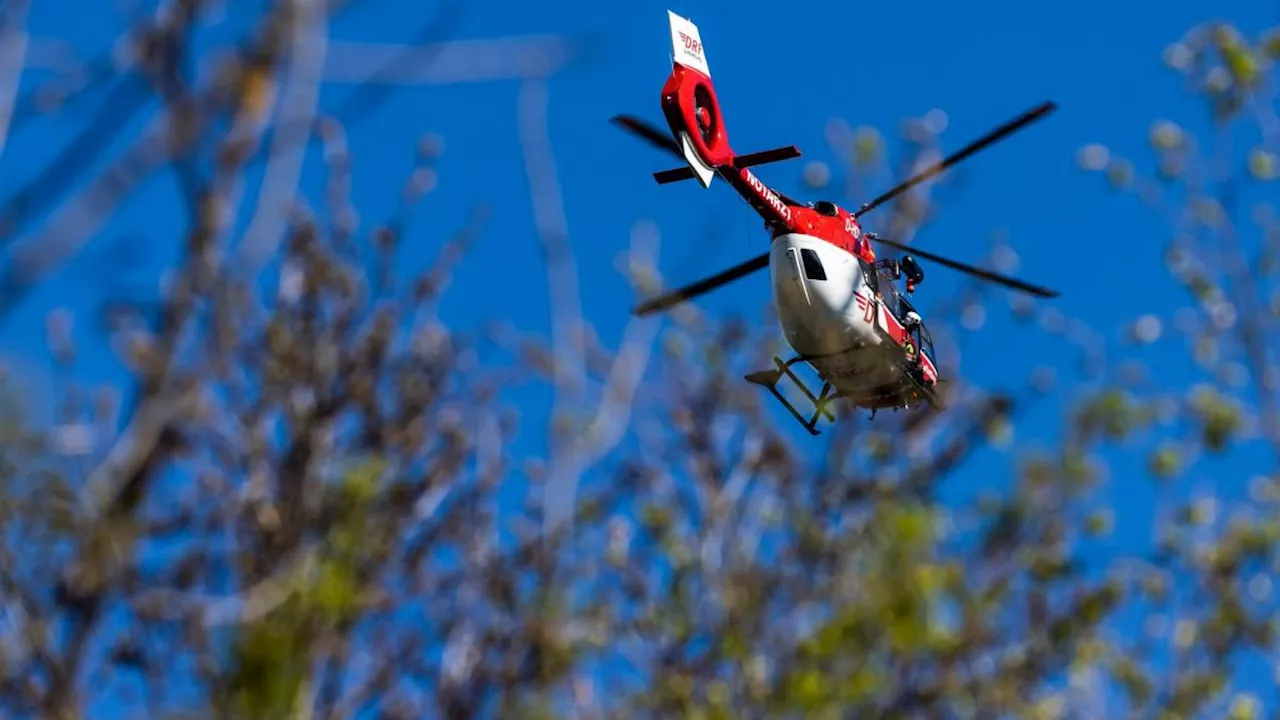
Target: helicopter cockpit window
point(889, 295)
point(812, 265)
point(920, 332)
point(869, 274)
point(926, 341)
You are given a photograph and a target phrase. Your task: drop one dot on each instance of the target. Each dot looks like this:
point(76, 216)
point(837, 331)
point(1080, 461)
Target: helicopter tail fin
point(686, 44)
point(690, 105)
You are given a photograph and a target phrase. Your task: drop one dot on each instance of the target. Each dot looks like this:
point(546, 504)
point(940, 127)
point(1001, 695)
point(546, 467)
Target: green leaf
point(1166, 461)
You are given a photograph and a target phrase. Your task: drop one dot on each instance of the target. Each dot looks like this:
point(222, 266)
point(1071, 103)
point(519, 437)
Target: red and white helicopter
point(837, 304)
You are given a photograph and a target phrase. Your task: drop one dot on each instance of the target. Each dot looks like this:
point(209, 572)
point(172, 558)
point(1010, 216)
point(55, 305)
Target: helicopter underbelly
point(836, 317)
point(821, 297)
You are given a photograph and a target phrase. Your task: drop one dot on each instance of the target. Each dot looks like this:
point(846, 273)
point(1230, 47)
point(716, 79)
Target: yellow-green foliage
point(272, 654)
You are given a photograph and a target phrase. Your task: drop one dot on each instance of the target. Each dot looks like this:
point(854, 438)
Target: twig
point(574, 453)
point(132, 448)
point(562, 282)
point(618, 395)
point(299, 100)
point(530, 57)
point(13, 52)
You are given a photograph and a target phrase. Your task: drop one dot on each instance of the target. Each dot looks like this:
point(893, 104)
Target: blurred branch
point(299, 100)
point(53, 54)
point(530, 57)
point(576, 443)
point(73, 223)
point(567, 326)
point(14, 49)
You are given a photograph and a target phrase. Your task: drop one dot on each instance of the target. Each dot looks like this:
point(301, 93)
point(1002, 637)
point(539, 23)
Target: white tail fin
point(686, 44)
point(687, 50)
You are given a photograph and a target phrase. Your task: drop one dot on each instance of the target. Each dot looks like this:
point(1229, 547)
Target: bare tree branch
point(14, 47)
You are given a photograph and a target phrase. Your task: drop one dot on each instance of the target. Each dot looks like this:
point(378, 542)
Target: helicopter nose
point(813, 288)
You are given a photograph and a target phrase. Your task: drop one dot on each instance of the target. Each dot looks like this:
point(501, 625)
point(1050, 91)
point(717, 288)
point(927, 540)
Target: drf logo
point(851, 227)
point(691, 44)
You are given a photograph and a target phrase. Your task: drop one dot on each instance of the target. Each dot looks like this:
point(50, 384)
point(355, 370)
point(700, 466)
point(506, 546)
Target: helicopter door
point(869, 277)
point(797, 266)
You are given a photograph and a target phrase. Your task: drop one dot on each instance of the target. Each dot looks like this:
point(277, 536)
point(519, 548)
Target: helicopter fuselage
point(843, 318)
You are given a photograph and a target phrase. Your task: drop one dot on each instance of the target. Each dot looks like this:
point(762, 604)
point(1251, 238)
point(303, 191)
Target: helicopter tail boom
point(692, 111)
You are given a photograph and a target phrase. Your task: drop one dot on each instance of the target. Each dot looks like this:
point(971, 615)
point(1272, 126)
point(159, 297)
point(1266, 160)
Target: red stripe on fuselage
point(842, 231)
point(897, 332)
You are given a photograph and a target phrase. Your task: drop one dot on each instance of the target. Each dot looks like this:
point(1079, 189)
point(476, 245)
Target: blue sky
point(779, 82)
point(781, 72)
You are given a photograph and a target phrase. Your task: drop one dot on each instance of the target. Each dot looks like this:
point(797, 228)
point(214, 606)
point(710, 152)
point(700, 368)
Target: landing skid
point(769, 379)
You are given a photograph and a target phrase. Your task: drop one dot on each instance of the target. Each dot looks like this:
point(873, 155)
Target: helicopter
point(837, 304)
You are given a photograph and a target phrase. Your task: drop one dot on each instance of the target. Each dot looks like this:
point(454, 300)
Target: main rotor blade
point(675, 297)
point(971, 270)
point(990, 138)
point(649, 133)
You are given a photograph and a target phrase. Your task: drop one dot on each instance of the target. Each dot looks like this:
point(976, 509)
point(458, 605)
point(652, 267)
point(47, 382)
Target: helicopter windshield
point(890, 296)
point(922, 336)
